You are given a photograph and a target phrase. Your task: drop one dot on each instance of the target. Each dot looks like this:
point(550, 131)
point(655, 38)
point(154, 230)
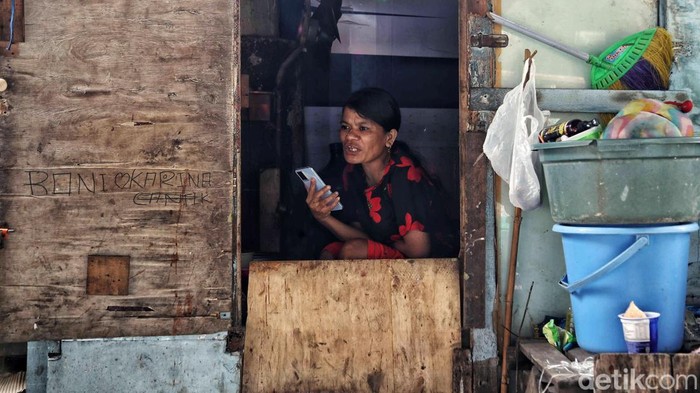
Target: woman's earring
point(388, 148)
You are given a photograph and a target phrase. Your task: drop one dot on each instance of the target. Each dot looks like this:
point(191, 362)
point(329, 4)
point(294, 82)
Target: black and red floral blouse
point(404, 200)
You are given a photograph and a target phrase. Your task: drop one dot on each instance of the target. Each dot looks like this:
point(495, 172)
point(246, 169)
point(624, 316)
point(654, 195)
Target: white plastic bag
point(509, 137)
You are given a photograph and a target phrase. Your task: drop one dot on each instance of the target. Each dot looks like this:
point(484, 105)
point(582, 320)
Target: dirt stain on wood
point(374, 380)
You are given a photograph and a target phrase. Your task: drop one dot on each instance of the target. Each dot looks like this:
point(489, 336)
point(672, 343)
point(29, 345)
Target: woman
point(392, 207)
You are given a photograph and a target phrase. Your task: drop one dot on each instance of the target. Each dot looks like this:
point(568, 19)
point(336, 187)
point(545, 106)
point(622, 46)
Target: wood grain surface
point(360, 326)
point(118, 139)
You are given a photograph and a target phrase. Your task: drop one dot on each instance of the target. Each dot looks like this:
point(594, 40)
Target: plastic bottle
point(569, 128)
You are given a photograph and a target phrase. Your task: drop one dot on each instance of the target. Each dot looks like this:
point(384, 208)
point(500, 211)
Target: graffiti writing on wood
point(151, 187)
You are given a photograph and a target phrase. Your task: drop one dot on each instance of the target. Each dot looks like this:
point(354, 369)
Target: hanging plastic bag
point(509, 138)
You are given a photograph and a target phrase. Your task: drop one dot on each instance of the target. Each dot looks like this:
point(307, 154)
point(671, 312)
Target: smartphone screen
point(308, 173)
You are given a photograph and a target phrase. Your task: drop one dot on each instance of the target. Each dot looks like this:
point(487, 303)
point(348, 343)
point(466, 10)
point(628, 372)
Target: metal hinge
point(489, 40)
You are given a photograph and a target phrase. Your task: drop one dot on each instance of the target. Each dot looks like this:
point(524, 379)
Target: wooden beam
point(476, 69)
point(473, 68)
point(473, 207)
point(574, 100)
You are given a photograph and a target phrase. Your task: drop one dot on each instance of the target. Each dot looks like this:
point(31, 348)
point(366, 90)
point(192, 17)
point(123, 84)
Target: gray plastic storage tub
point(622, 181)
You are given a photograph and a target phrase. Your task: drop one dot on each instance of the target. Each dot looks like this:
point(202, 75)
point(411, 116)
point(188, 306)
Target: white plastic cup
point(641, 334)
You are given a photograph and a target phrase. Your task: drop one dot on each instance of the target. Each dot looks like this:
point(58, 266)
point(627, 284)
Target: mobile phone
point(306, 174)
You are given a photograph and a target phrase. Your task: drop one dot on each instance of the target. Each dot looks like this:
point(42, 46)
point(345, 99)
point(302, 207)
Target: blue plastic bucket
point(607, 267)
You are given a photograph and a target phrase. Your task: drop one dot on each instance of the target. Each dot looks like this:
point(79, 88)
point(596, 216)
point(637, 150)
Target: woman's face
point(364, 141)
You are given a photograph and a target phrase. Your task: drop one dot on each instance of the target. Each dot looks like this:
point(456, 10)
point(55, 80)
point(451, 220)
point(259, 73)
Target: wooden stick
point(509, 298)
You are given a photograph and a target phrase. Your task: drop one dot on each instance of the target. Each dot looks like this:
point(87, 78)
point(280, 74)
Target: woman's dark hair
point(377, 105)
point(381, 107)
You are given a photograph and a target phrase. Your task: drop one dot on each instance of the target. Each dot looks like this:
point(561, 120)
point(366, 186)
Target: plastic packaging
point(509, 138)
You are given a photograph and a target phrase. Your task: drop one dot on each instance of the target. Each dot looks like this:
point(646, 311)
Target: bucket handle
point(641, 242)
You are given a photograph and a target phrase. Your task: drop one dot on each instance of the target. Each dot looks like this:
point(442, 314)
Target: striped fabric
point(13, 383)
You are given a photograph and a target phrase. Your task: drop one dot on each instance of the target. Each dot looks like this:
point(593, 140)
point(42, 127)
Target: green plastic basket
point(622, 181)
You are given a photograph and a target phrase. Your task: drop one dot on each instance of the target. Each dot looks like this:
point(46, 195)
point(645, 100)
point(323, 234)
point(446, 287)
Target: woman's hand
point(321, 207)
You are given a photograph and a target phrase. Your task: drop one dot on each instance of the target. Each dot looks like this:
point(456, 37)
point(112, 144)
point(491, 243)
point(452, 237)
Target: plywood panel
point(361, 326)
point(686, 371)
point(118, 140)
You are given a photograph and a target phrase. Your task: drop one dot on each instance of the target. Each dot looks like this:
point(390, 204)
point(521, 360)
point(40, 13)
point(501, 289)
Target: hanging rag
point(509, 139)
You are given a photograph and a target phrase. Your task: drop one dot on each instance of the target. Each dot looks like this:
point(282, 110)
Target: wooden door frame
point(236, 304)
point(474, 189)
point(476, 70)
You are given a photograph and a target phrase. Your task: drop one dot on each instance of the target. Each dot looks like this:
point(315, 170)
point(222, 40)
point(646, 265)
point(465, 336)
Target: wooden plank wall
point(351, 326)
point(117, 139)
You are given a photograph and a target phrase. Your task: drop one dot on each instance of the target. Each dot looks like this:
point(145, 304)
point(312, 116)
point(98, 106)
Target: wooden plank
point(546, 358)
point(361, 326)
point(618, 372)
point(579, 354)
point(118, 141)
point(485, 375)
point(462, 370)
point(686, 372)
point(474, 233)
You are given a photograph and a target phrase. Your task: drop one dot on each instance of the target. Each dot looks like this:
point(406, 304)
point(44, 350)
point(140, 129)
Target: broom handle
point(522, 29)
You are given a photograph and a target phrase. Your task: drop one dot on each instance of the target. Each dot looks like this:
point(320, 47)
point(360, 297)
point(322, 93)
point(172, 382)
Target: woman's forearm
point(342, 230)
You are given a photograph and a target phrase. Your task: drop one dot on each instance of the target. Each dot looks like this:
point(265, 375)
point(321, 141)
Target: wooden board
point(118, 140)
point(612, 372)
point(360, 326)
point(686, 371)
point(620, 372)
point(546, 358)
